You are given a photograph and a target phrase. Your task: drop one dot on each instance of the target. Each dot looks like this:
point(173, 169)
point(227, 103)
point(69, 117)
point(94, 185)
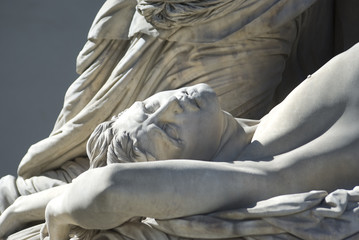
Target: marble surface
point(274, 172)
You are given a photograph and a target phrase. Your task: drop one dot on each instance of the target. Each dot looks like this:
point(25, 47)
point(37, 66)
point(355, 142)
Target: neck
point(237, 135)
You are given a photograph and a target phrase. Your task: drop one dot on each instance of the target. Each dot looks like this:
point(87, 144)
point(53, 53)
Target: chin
point(203, 94)
point(202, 87)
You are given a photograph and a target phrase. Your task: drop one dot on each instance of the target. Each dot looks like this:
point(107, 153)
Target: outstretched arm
point(107, 197)
point(27, 209)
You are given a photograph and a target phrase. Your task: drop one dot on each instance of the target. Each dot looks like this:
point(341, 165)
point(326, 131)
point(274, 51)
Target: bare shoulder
point(326, 102)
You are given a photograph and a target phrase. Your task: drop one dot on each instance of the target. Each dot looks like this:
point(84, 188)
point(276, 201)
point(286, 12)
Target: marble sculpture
point(209, 158)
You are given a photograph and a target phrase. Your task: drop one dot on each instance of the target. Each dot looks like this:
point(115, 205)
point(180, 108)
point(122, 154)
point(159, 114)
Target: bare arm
point(107, 197)
point(27, 209)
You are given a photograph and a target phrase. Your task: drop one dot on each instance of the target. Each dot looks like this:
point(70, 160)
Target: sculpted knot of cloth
point(172, 14)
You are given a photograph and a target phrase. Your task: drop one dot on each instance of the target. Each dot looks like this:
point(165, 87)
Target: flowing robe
point(238, 47)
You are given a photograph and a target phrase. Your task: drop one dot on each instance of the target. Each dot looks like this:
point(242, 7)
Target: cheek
point(156, 145)
point(193, 135)
point(208, 127)
point(146, 141)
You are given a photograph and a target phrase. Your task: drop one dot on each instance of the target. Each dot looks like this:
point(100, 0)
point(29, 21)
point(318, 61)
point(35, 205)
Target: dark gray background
point(39, 43)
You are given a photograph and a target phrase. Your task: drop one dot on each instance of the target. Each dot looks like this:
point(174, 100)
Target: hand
point(10, 222)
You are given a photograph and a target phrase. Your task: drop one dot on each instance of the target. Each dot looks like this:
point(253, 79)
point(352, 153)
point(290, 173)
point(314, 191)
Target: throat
point(237, 135)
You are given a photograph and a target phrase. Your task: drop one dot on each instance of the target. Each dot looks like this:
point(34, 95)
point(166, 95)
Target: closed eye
point(171, 131)
point(169, 134)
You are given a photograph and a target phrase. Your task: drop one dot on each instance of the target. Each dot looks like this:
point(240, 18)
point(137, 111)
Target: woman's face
point(181, 124)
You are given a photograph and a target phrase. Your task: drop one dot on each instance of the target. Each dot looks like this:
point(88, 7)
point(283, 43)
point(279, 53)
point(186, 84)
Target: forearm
point(107, 197)
point(27, 209)
point(168, 189)
point(32, 207)
point(175, 189)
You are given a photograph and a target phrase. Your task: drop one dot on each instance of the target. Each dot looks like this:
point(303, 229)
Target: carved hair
point(108, 145)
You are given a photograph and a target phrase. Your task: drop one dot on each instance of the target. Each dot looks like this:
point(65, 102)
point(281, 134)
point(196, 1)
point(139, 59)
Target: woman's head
point(185, 123)
point(106, 146)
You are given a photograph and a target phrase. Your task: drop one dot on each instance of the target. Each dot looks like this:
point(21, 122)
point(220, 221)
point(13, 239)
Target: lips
point(195, 100)
point(188, 102)
point(195, 96)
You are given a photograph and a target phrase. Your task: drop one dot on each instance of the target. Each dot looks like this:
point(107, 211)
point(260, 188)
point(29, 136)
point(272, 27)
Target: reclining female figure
point(309, 141)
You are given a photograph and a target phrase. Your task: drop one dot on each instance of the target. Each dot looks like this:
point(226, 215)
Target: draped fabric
point(239, 48)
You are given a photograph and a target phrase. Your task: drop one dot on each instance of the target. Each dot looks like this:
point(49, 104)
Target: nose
point(167, 112)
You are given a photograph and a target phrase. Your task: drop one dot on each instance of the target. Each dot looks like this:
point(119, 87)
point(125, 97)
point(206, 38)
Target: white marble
point(176, 164)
